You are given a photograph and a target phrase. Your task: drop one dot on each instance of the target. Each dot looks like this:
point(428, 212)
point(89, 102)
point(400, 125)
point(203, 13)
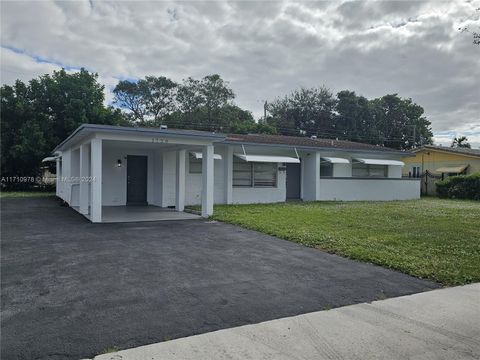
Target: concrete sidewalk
point(439, 324)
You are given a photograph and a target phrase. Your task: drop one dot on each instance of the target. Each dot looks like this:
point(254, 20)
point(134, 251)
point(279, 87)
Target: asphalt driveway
point(71, 289)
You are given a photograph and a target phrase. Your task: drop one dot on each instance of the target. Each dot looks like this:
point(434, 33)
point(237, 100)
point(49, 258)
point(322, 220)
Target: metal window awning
point(451, 169)
point(380, 162)
point(50, 158)
point(268, 158)
point(199, 155)
point(335, 160)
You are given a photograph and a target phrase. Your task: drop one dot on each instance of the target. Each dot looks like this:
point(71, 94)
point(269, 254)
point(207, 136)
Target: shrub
point(460, 187)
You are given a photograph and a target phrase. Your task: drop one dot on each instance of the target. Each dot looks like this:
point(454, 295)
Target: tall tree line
point(389, 120)
point(205, 104)
point(36, 116)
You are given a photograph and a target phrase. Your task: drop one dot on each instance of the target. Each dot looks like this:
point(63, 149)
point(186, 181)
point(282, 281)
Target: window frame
point(368, 168)
point(329, 166)
point(195, 161)
point(251, 165)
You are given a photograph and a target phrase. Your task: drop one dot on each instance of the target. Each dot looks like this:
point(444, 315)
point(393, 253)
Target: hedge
point(460, 187)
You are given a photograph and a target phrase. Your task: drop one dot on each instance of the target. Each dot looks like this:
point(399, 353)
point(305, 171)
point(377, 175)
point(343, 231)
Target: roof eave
point(304, 147)
point(445, 150)
point(141, 131)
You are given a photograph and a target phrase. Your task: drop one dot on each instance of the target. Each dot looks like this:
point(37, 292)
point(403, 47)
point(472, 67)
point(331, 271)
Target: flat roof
point(86, 129)
point(238, 139)
point(309, 143)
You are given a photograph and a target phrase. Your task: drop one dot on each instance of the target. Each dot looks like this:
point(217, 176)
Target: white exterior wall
point(59, 176)
point(167, 181)
point(249, 195)
point(162, 176)
point(64, 185)
point(114, 182)
point(74, 183)
point(369, 189)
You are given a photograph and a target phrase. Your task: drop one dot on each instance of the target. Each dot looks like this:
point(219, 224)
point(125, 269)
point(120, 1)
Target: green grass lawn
point(428, 238)
point(17, 194)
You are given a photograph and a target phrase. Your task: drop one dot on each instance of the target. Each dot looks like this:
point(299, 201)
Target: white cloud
point(21, 66)
point(265, 49)
point(445, 138)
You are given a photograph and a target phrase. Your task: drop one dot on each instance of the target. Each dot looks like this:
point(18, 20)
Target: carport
point(113, 174)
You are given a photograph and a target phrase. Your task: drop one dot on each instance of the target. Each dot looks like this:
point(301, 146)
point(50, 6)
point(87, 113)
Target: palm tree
point(460, 142)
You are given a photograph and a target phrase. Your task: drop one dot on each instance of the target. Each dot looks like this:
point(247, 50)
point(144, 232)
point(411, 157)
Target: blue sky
point(264, 49)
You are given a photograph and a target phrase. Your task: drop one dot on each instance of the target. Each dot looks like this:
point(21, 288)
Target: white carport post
point(84, 173)
point(207, 180)
point(180, 176)
point(96, 186)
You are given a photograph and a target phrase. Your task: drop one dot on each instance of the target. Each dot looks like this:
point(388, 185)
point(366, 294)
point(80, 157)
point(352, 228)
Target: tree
point(190, 100)
point(475, 32)
point(129, 95)
point(39, 115)
point(216, 94)
point(460, 142)
point(147, 100)
point(303, 112)
point(205, 104)
point(400, 122)
point(354, 118)
point(160, 97)
point(389, 120)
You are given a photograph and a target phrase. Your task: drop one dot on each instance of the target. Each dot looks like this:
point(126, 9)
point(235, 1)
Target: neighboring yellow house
point(439, 162)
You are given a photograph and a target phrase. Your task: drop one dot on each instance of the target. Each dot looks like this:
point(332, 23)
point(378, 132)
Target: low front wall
point(351, 189)
point(258, 195)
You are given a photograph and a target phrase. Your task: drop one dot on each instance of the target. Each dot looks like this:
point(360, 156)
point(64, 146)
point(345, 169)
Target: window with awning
point(379, 162)
point(374, 168)
point(267, 158)
point(334, 160)
point(254, 174)
point(199, 155)
point(366, 170)
point(195, 162)
point(327, 162)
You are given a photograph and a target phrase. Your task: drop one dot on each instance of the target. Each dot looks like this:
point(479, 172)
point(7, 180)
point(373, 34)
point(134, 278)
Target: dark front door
point(136, 180)
point(293, 181)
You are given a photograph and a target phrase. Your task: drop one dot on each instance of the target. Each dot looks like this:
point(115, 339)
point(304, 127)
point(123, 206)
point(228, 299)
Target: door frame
point(146, 181)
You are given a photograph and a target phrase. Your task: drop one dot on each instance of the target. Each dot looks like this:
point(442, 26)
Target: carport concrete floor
point(115, 214)
point(112, 214)
point(71, 289)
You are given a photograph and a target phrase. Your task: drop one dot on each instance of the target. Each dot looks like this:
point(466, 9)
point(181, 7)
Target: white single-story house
point(102, 169)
